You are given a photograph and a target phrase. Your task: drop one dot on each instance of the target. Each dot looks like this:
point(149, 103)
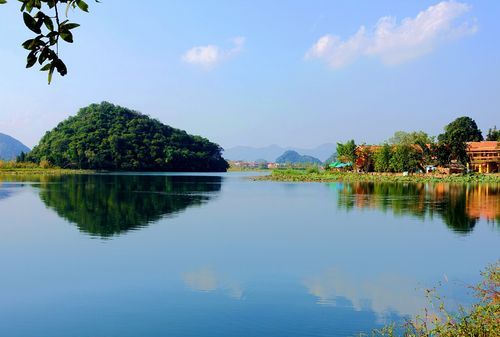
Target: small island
point(113, 138)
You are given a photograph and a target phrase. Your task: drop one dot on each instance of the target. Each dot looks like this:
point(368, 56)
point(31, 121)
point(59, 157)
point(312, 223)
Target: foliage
point(347, 152)
point(44, 47)
point(410, 138)
point(108, 137)
point(334, 176)
point(365, 158)
point(18, 165)
point(441, 153)
point(461, 129)
point(383, 158)
point(406, 158)
point(493, 134)
point(293, 157)
point(482, 320)
point(456, 136)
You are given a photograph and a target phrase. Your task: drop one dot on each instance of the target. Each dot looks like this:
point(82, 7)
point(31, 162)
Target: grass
point(44, 168)
point(291, 175)
point(482, 319)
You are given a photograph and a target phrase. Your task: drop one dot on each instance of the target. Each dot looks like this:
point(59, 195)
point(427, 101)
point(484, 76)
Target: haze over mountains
point(10, 147)
point(272, 152)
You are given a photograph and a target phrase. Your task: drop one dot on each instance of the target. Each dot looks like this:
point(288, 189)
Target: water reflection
point(207, 280)
point(8, 189)
point(386, 295)
point(460, 206)
point(106, 205)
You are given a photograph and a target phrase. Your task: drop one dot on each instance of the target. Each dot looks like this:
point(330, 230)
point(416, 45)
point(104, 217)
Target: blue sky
point(293, 73)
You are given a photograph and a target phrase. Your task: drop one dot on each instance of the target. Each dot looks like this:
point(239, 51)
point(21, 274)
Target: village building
point(484, 156)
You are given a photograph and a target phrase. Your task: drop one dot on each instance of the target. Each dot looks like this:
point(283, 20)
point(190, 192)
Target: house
point(484, 156)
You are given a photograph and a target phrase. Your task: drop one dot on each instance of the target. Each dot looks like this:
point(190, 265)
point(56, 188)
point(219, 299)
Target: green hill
point(293, 157)
point(109, 137)
point(10, 147)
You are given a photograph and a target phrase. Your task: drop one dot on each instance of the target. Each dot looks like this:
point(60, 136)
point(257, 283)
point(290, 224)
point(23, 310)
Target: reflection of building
point(460, 206)
point(483, 202)
point(484, 156)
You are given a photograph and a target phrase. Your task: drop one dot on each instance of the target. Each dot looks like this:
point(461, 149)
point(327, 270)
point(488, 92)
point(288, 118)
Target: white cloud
point(395, 42)
point(210, 55)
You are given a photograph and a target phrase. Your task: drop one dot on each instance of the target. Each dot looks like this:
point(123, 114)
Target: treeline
point(108, 137)
point(413, 151)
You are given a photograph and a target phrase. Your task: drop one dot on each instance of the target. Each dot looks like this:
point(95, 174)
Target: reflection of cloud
point(383, 294)
point(207, 280)
point(201, 280)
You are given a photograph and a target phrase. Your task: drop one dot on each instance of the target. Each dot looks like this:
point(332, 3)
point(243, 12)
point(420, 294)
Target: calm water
point(220, 255)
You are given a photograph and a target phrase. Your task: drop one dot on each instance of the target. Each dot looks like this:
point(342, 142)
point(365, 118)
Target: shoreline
point(42, 171)
point(301, 176)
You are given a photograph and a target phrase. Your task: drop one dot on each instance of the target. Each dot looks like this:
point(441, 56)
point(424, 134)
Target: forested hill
point(293, 157)
point(10, 147)
point(109, 137)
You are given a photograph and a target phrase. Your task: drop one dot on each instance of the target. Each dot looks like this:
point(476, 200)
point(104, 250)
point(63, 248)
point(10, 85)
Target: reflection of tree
point(105, 205)
point(460, 206)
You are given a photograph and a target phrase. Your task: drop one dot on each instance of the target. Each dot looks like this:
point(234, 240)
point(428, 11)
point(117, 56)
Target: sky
point(286, 72)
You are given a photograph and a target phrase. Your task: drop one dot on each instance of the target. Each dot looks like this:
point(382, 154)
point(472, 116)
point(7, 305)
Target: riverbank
point(328, 176)
point(41, 171)
point(14, 168)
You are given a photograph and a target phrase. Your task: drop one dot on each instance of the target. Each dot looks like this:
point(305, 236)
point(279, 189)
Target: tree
point(365, 160)
point(493, 134)
point(383, 158)
point(463, 129)
point(442, 154)
point(108, 137)
point(44, 47)
point(406, 158)
point(457, 134)
point(347, 152)
point(410, 138)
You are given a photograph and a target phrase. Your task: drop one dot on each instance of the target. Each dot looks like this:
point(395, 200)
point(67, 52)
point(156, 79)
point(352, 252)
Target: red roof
point(484, 146)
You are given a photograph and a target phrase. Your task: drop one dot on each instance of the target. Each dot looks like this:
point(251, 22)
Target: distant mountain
point(294, 157)
point(271, 152)
point(10, 147)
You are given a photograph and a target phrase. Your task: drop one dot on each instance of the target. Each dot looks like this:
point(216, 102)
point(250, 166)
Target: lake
point(221, 255)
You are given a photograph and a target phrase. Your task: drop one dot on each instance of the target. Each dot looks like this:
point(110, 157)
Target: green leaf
point(31, 23)
point(3, 2)
point(61, 67)
point(31, 60)
point(69, 26)
point(51, 72)
point(66, 36)
point(43, 55)
point(82, 5)
point(46, 67)
point(48, 23)
point(28, 44)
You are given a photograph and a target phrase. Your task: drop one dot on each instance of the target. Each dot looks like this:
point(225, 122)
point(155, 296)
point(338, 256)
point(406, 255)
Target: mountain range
point(10, 147)
point(272, 152)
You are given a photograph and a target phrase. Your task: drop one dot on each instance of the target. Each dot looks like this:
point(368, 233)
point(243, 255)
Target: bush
point(481, 320)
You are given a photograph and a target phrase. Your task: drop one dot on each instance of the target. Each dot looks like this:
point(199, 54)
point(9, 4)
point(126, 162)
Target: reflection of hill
point(105, 205)
point(7, 189)
point(460, 206)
